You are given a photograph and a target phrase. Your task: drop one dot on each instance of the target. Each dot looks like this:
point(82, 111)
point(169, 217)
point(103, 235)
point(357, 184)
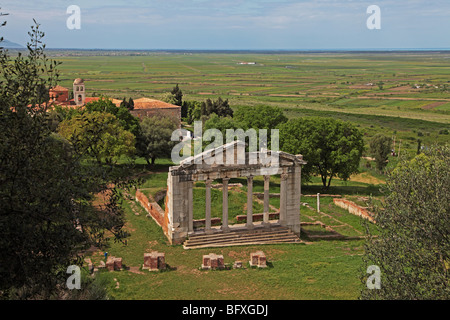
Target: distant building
point(79, 94)
point(143, 107)
point(59, 94)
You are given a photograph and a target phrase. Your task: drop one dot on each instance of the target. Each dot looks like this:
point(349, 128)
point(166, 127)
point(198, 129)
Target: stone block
point(213, 261)
point(114, 264)
point(154, 261)
point(118, 264)
point(110, 264)
point(258, 259)
point(206, 261)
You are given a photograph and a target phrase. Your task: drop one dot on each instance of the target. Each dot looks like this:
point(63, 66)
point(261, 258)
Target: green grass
point(321, 270)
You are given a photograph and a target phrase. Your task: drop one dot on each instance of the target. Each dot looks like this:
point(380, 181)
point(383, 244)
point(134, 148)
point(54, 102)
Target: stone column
point(249, 224)
point(283, 198)
point(266, 201)
point(225, 227)
point(208, 207)
point(191, 206)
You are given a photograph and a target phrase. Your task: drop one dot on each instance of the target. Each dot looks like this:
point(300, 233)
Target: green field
point(337, 82)
point(326, 84)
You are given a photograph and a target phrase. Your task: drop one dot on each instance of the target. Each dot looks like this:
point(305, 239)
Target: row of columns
point(225, 226)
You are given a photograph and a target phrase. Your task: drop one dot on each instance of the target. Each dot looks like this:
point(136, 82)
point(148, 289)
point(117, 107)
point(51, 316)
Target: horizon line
point(251, 50)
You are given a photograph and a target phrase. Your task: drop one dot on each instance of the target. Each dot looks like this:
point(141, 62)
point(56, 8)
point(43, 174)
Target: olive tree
point(332, 148)
point(411, 246)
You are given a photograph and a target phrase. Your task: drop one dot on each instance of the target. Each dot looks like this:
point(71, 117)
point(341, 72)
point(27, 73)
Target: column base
point(225, 229)
point(265, 218)
point(250, 226)
point(266, 224)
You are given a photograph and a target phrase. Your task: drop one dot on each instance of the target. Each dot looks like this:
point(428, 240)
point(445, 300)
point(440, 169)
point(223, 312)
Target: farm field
point(402, 94)
point(414, 85)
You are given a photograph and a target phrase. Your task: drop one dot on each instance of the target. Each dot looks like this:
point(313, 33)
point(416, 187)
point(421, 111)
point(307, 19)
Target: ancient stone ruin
point(114, 264)
point(154, 261)
point(178, 220)
point(258, 259)
point(213, 261)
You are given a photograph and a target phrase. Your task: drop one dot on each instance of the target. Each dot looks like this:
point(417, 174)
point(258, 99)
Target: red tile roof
point(58, 88)
point(147, 103)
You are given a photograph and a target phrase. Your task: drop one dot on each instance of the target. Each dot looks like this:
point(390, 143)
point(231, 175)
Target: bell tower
point(79, 94)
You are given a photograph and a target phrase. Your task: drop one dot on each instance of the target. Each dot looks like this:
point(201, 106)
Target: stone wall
point(258, 217)
point(353, 208)
point(153, 209)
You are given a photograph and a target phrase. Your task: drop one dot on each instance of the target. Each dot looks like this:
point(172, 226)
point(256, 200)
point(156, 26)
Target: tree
point(332, 148)
point(130, 105)
point(220, 107)
point(177, 95)
point(124, 102)
point(219, 123)
point(122, 113)
point(154, 140)
point(380, 147)
point(194, 111)
point(380, 85)
point(46, 215)
point(127, 104)
point(412, 246)
point(260, 117)
point(99, 135)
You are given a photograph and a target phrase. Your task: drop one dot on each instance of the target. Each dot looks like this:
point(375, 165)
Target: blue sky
point(232, 24)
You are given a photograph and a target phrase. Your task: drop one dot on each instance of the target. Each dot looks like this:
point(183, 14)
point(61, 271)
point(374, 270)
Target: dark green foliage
point(194, 110)
point(130, 105)
point(46, 216)
point(220, 107)
point(122, 113)
point(177, 95)
point(331, 147)
point(154, 140)
point(260, 117)
point(380, 147)
point(99, 135)
point(413, 247)
point(127, 104)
